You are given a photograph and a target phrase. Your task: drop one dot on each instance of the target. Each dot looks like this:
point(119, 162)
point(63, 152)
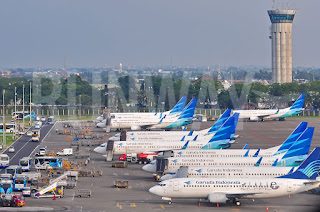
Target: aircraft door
point(176, 185)
point(289, 188)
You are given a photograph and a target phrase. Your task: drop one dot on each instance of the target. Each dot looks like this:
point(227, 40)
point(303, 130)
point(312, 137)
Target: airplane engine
point(134, 128)
point(254, 118)
point(217, 198)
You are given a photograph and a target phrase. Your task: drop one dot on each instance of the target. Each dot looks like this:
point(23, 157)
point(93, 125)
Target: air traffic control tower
point(281, 36)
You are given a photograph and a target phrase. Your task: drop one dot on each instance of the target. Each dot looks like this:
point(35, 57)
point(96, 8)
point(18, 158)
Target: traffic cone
point(54, 197)
point(217, 205)
point(289, 197)
point(267, 209)
point(199, 203)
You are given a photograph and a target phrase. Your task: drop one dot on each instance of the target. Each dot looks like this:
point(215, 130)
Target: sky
point(99, 33)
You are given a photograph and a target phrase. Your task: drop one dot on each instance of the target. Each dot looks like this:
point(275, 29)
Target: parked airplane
point(225, 116)
point(280, 149)
point(296, 154)
point(281, 114)
point(220, 140)
point(163, 135)
point(174, 111)
point(222, 190)
point(229, 172)
point(139, 122)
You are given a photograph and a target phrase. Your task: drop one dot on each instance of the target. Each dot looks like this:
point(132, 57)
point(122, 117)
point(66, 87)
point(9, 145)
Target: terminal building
point(281, 36)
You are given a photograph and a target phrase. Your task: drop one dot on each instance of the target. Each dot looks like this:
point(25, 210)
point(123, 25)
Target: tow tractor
point(142, 158)
point(14, 200)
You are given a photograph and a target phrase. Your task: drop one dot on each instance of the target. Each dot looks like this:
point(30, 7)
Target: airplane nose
point(97, 149)
point(153, 190)
point(148, 168)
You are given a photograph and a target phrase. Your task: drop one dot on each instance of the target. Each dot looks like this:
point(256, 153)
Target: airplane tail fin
point(224, 117)
point(236, 119)
point(225, 132)
point(188, 111)
point(302, 144)
point(298, 104)
point(292, 138)
point(309, 168)
point(179, 106)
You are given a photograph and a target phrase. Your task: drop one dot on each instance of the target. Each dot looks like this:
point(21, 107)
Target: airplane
point(162, 135)
point(175, 110)
point(140, 121)
point(223, 190)
point(229, 172)
point(241, 152)
point(296, 154)
point(219, 140)
point(281, 114)
point(225, 116)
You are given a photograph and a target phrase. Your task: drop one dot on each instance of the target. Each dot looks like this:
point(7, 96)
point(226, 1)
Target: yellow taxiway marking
point(120, 207)
point(162, 206)
point(133, 205)
point(234, 209)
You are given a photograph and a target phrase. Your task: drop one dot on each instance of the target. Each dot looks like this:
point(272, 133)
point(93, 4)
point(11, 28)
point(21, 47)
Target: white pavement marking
point(19, 150)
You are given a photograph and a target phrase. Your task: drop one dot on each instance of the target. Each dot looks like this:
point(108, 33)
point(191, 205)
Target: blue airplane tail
point(224, 117)
point(236, 119)
point(292, 138)
point(309, 168)
point(298, 104)
point(188, 111)
point(179, 106)
point(223, 134)
point(302, 145)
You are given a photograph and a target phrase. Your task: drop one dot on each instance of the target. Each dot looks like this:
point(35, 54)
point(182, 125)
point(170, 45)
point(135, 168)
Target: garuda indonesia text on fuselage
point(153, 122)
point(240, 171)
point(281, 114)
point(169, 135)
point(220, 140)
point(296, 154)
point(221, 190)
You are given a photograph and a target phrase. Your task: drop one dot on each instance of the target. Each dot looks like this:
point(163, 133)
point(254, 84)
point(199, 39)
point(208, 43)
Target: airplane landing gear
point(170, 202)
point(236, 202)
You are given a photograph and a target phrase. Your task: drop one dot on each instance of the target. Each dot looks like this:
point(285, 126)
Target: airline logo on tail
point(309, 168)
point(224, 117)
point(296, 108)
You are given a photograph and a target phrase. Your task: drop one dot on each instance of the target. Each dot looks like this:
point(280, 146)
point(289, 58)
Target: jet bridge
point(109, 154)
point(162, 165)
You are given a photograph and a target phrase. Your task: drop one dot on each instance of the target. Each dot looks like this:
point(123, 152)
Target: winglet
point(275, 163)
point(183, 138)
point(190, 133)
point(195, 138)
point(184, 128)
point(256, 154)
point(246, 154)
point(258, 162)
point(185, 145)
point(245, 146)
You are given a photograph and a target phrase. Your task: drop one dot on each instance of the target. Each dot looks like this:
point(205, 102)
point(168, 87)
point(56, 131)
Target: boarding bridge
point(162, 165)
point(109, 154)
point(54, 183)
point(123, 135)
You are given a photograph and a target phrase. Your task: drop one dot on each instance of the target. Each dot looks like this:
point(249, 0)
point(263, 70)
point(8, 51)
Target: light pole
point(80, 104)
point(15, 110)
point(30, 107)
point(3, 122)
point(23, 108)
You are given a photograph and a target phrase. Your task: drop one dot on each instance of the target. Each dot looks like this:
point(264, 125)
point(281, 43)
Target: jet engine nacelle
point(134, 128)
point(217, 198)
point(254, 118)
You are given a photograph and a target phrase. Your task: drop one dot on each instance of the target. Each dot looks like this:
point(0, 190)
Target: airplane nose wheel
point(170, 202)
point(236, 202)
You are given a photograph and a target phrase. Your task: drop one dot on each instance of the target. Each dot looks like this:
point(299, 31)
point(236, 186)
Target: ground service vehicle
point(16, 200)
point(19, 182)
point(4, 160)
point(35, 135)
point(51, 120)
point(66, 151)
point(121, 184)
point(26, 192)
point(6, 187)
point(119, 164)
point(47, 162)
point(20, 114)
point(11, 149)
point(25, 163)
point(84, 193)
point(144, 158)
point(13, 170)
point(9, 127)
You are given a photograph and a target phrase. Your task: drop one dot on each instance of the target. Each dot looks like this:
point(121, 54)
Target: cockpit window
point(161, 184)
point(103, 145)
